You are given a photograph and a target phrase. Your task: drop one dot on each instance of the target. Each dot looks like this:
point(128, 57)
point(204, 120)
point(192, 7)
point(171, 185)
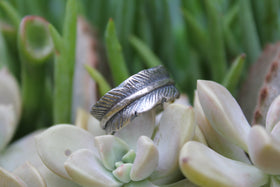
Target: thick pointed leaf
point(122, 173)
point(206, 168)
point(223, 112)
point(111, 150)
point(273, 114)
point(85, 169)
point(136, 95)
point(216, 141)
point(264, 151)
point(30, 175)
point(176, 127)
point(198, 136)
point(144, 183)
point(7, 124)
point(24, 150)
point(9, 92)
point(146, 159)
point(57, 143)
point(8, 179)
point(141, 126)
point(275, 133)
point(181, 183)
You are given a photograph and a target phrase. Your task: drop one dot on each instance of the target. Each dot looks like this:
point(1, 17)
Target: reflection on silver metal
point(138, 94)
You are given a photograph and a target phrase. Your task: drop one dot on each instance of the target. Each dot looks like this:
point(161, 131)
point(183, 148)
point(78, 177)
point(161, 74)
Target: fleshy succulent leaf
point(205, 167)
point(57, 143)
point(216, 141)
point(122, 173)
point(175, 128)
point(146, 160)
point(144, 183)
point(198, 136)
point(10, 92)
point(143, 125)
point(7, 124)
point(223, 112)
point(84, 168)
point(30, 175)
point(9, 179)
point(273, 114)
point(181, 183)
point(129, 157)
point(275, 133)
point(111, 150)
point(264, 151)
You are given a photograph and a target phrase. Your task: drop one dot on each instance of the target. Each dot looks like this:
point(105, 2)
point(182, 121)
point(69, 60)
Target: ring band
point(138, 94)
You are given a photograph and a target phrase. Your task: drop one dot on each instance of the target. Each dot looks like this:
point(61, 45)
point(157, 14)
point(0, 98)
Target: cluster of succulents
point(48, 77)
point(230, 137)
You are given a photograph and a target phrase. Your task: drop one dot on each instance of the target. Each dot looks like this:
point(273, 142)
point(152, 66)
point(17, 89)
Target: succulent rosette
point(238, 154)
point(143, 153)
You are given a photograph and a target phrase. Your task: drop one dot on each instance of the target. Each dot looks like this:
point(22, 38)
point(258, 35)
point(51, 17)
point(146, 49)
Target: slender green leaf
point(104, 87)
point(250, 36)
point(234, 74)
point(197, 32)
point(216, 50)
point(64, 66)
point(11, 12)
point(115, 55)
point(56, 38)
point(149, 57)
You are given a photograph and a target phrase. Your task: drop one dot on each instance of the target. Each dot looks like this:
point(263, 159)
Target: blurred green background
point(194, 39)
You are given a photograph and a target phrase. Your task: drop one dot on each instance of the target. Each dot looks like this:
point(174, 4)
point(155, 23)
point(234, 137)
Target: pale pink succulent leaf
point(264, 151)
point(146, 160)
point(223, 112)
point(275, 133)
point(86, 169)
point(176, 127)
point(9, 179)
point(122, 173)
point(273, 114)
point(30, 175)
point(216, 141)
point(57, 143)
point(111, 149)
point(144, 183)
point(143, 125)
point(206, 168)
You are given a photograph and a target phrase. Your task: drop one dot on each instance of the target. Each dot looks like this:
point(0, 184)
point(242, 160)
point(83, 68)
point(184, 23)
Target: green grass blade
point(11, 13)
point(250, 36)
point(115, 55)
point(64, 66)
point(216, 50)
point(150, 59)
point(234, 74)
point(103, 85)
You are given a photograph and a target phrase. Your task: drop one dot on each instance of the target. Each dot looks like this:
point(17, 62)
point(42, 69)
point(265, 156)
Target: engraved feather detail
point(137, 94)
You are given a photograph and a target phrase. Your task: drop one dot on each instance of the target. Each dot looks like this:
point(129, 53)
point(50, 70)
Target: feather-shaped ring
point(138, 94)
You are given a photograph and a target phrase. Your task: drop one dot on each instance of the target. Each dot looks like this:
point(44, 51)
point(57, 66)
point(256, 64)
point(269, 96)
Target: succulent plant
point(262, 85)
point(140, 154)
point(10, 107)
point(229, 135)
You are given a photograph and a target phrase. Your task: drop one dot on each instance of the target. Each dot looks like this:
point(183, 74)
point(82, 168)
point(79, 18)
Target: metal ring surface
point(137, 94)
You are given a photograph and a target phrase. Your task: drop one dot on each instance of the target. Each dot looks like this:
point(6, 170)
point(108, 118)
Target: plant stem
point(64, 65)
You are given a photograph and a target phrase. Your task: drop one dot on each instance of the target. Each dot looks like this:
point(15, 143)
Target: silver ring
point(139, 93)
